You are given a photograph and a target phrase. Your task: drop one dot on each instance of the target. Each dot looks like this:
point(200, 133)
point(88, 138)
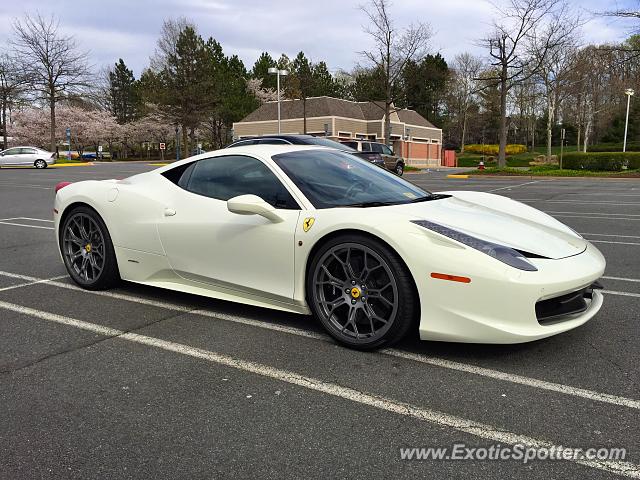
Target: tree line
point(535, 79)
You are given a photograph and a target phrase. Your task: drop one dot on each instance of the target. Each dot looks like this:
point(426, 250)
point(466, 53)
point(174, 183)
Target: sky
point(329, 30)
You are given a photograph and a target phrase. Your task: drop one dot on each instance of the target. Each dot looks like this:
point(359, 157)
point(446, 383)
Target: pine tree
point(124, 97)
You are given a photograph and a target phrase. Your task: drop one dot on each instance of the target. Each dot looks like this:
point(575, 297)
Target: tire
point(87, 250)
point(399, 170)
point(361, 292)
point(40, 164)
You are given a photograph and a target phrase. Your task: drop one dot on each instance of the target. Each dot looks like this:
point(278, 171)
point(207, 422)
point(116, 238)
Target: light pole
point(277, 73)
point(562, 134)
point(177, 145)
point(628, 92)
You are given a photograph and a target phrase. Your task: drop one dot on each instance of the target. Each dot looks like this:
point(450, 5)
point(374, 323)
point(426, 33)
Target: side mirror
point(253, 205)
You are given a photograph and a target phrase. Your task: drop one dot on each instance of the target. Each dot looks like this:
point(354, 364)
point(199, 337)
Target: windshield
point(336, 179)
point(325, 142)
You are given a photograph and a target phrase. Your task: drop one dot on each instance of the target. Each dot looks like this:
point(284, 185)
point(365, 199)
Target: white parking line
point(624, 294)
point(623, 279)
point(609, 241)
point(35, 282)
point(581, 202)
point(438, 362)
point(513, 186)
point(603, 214)
point(609, 235)
point(16, 185)
point(592, 217)
point(34, 219)
point(27, 226)
point(471, 427)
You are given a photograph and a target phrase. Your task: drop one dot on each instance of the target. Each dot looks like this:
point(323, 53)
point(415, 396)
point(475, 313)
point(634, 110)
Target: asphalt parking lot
point(139, 382)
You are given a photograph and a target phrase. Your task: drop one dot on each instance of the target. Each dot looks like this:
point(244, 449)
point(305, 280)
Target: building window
point(344, 134)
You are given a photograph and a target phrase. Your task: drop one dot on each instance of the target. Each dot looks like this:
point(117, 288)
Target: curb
point(62, 165)
point(453, 175)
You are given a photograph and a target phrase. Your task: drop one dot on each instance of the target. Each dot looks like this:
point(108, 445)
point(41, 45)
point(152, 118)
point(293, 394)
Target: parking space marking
point(623, 279)
point(600, 214)
point(26, 226)
point(624, 294)
point(35, 282)
point(514, 186)
point(16, 185)
point(592, 217)
point(468, 426)
point(609, 235)
point(434, 361)
point(619, 243)
point(582, 202)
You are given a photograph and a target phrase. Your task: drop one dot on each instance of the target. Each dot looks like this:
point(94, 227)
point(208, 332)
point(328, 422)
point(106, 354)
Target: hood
point(503, 221)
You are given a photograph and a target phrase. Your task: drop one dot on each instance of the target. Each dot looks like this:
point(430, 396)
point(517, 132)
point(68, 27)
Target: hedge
point(492, 149)
point(601, 161)
point(614, 147)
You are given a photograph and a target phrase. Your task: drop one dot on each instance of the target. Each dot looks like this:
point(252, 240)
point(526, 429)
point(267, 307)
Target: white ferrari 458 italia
point(314, 230)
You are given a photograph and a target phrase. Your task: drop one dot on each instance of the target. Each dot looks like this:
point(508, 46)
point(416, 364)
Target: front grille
point(564, 307)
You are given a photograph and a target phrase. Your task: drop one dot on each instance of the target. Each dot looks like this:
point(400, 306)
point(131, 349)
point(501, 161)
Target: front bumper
point(499, 304)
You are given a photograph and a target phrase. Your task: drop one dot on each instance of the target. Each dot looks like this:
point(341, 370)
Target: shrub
point(601, 161)
point(614, 147)
point(492, 149)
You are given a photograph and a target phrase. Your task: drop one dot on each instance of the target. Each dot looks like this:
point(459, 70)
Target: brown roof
point(330, 106)
point(414, 118)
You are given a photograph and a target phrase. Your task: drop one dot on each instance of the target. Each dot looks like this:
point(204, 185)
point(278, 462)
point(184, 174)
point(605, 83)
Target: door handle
point(169, 212)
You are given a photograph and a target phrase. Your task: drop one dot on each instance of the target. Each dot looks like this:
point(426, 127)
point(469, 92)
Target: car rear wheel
point(87, 250)
point(40, 164)
point(399, 169)
point(361, 292)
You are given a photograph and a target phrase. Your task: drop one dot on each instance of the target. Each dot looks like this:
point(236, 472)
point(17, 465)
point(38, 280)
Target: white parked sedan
point(308, 229)
point(26, 156)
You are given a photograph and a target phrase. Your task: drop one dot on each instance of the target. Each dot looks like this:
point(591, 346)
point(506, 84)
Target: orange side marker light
point(453, 278)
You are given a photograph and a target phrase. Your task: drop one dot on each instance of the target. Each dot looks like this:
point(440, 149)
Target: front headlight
point(506, 255)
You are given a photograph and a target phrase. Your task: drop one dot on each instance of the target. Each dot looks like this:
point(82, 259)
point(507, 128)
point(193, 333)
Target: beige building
point(412, 136)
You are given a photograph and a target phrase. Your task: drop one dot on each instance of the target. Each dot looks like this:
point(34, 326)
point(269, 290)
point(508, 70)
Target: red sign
point(162, 146)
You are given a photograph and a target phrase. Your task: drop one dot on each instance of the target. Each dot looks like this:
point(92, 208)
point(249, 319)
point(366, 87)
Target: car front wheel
point(399, 169)
point(361, 292)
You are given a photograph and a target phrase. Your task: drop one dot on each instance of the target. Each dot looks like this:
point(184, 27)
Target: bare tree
point(12, 83)
point(393, 49)
point(168, 41)
point(57, 69)
point(464, 86)
point(509, 49)
point(556, 62)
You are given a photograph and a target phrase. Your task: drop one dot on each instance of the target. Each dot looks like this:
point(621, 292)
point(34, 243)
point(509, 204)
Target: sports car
point(313, 230)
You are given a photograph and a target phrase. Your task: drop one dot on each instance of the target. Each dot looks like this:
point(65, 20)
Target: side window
point(12, 151)
point(386, 150)
point(243, 143)
point(27, 151)
point(272, 141)
point(226, 177)
point(366, 147)
point(377, 148)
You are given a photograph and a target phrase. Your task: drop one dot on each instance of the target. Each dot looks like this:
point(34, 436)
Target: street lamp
point(277, 72)
point(628, 92)
point(177, 145)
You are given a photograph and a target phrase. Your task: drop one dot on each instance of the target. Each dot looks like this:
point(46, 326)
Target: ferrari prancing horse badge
point(308, 223)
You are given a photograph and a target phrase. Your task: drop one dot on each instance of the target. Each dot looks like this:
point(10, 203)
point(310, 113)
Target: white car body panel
point(167, 237)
